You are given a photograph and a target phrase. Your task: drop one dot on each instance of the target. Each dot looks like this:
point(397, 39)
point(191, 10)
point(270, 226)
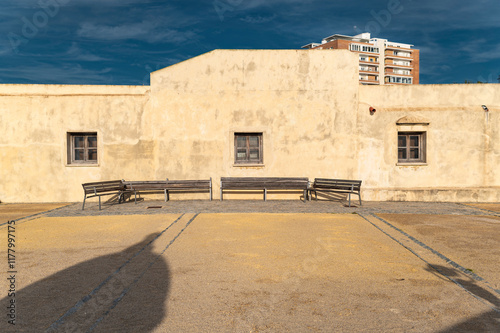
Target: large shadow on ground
point(486, 322)
point(124, 291)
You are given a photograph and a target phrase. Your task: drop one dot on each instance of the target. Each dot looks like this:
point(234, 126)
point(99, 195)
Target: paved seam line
point(35, 215)
point(87, 298)
point(126, 290)
point(428, 263)
point(480, 209)
point(448, 260)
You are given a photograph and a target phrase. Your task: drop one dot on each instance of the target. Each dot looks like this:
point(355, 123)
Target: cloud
point(258, 19)
point(77, 53)
point(145, 31)
point(43, 73)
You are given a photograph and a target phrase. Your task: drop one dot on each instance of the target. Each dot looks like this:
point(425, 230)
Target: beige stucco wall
point(303, 102)
point(307, 103)
point(35, 120)
point(463, 142)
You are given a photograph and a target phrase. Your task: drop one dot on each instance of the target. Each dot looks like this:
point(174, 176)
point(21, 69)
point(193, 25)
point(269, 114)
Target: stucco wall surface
point(304, 102)
point(35, 120)
point(462, 142)
point(313, 115)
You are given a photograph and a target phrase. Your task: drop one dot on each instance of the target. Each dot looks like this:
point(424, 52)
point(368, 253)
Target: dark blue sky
point(122, 41)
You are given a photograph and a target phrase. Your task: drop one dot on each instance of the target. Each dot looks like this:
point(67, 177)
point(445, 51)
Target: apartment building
point(380, 61)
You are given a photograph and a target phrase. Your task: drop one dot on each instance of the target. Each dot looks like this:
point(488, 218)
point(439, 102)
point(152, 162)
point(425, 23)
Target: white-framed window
point(82, 147)
point(402, 54)
point(397, 79)
point(401, 63)
point(354, 47)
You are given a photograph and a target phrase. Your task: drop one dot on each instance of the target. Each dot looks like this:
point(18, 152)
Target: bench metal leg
point(168, 195)
point(99, 202)
point(349, 199)
point(83, 207)
point(135, 197)
point(221, 194)
point(305, 195)
point(359, 195)
point(265, 195)
point(210, 188)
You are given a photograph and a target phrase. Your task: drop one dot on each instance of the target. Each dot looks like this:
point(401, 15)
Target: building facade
point(256, 113)
point(380, 61)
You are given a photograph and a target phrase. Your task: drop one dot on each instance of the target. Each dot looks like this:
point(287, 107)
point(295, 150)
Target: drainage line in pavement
point(87, 298)
point(428, 263)
point(126, 290)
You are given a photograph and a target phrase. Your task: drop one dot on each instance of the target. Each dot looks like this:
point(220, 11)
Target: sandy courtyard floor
point(253, 272)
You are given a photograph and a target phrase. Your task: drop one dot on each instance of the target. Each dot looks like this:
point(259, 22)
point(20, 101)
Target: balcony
point(391, 55)
point(395, 48)
point(368, 62)
point(368, 69)
point(398, 74)
point(398, 66)
point(369, 81)
point(391, 78)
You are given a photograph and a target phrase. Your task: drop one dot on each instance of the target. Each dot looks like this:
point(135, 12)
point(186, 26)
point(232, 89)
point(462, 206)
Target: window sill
point(241, 165)
point(411, 164)
point(79, 165)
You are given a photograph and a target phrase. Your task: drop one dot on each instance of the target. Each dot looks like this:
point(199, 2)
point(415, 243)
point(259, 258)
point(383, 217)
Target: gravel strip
point(271, 206)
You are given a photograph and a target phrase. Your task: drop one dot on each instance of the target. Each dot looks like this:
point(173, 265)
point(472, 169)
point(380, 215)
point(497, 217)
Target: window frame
point(71, 139)
point(422, 147)
point(248, 160)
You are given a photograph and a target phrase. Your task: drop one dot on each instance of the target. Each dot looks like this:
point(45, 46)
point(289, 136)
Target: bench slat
point(170, 185)
point(264, 184)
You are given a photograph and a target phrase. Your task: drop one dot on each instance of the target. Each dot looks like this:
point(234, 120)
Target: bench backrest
point(189, 184)
point(106, 186)
point(264, 182)
point(340, 184)
point(169, 184)
point(145, 184)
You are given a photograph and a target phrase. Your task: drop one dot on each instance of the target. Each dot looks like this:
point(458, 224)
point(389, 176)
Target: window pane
point(241, 141)
point(254, 141)
point(402, 154)
point(92, 141)
point(92, 154)
point(414, 153)
point(79, 141)
point(79, 154)
point(414, 140)
point(254, 154)
point(241, 154)
point(401, 141)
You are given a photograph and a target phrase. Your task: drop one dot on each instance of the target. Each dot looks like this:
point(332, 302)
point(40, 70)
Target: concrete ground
point(261, 268)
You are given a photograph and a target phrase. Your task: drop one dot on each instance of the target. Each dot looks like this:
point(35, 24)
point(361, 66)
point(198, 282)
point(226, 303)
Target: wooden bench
point(99, 189)
point(263, 184)
point(203, 185)
point(168, 186)
point(336, 186)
